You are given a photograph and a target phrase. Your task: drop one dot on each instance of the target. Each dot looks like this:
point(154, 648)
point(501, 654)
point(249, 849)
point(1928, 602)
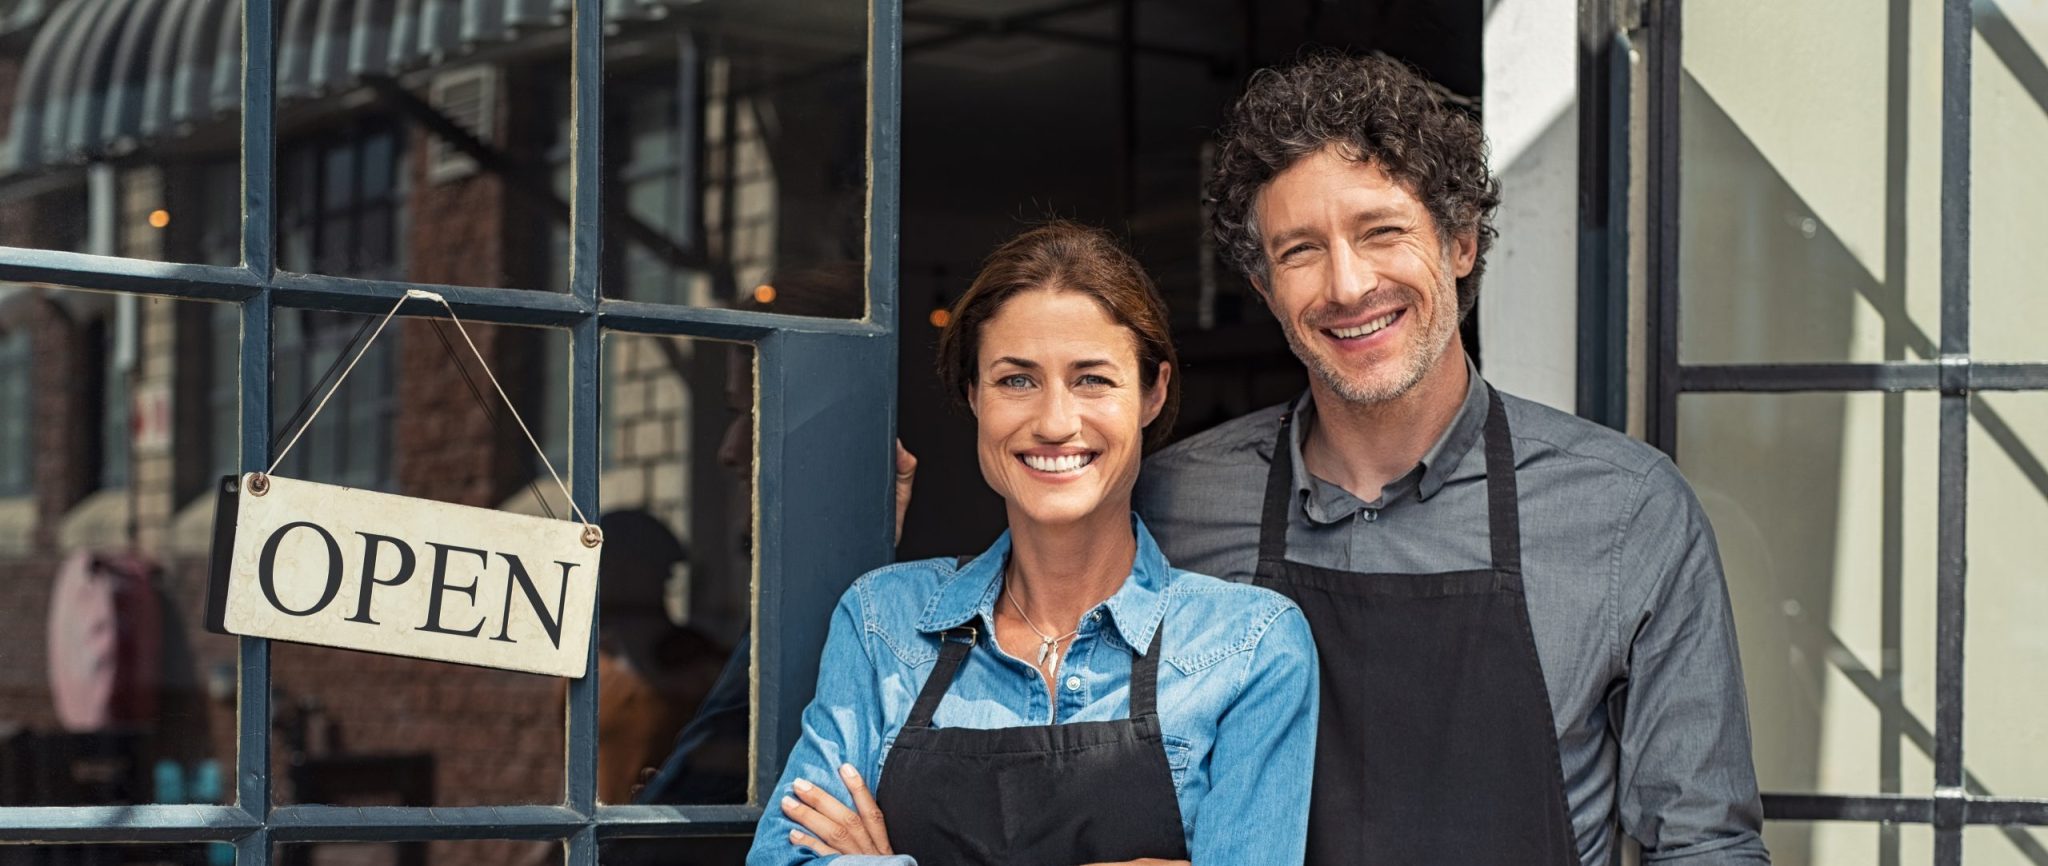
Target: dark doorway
point(1017, 110)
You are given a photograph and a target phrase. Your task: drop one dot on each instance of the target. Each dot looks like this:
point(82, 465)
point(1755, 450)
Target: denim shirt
point(1237, 694)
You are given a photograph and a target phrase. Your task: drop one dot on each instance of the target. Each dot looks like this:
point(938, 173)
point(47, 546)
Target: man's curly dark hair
point(1375, 109)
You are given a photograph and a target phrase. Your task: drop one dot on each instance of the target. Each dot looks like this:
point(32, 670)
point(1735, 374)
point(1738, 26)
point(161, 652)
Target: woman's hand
point(835, 829)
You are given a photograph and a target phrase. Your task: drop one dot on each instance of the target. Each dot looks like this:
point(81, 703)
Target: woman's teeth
point(1062, 463)
point(1367, 328)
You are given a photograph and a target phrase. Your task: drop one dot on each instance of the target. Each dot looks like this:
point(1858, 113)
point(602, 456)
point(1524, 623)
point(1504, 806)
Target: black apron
point(1436, 742)
point(1050, 795)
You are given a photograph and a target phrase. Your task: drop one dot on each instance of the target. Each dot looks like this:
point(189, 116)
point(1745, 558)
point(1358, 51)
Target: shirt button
point(1095, 615)
point(1073, 684)
point(1368, 515)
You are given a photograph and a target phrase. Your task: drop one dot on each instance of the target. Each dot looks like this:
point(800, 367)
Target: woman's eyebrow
point(1091, 363)
point(1014, 362)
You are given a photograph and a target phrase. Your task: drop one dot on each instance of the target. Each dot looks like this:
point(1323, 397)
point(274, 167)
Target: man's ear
point(1465, 247)
point(1155, 397)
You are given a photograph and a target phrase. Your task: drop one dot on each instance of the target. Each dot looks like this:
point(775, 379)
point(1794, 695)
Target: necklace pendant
point(1044, 649)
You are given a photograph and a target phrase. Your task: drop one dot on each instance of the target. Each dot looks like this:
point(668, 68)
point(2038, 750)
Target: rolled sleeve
point(840, 725)
point(1688, 790)
point(1261, 768)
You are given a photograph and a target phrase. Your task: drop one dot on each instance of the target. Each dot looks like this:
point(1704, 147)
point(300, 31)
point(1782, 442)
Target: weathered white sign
point(320, 564)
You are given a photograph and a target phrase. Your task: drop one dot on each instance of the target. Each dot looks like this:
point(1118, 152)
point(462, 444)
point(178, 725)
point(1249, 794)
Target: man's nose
point(1351, 276)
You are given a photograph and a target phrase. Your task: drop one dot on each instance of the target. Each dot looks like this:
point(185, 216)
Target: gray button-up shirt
point(1623, 583)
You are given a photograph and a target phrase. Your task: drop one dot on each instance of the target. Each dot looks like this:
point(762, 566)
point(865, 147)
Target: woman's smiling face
point(1060, 407)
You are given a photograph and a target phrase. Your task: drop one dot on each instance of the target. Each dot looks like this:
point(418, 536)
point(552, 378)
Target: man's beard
point(1413, 365)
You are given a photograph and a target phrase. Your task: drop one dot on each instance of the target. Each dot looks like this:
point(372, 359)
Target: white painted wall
point(1528, 303)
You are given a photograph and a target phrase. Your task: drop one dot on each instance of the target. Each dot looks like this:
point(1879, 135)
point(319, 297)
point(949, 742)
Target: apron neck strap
point(1503, 518)
point(1279, 500)
point(955, 643)
point(953, 647)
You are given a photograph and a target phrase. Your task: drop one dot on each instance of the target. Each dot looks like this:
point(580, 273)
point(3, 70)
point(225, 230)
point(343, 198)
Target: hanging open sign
point(336, 566)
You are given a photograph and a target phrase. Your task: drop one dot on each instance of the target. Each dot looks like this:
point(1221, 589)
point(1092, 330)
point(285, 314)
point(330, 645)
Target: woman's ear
point(1155, 397)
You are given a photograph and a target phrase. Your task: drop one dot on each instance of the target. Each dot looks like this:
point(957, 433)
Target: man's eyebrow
point(1288, 236)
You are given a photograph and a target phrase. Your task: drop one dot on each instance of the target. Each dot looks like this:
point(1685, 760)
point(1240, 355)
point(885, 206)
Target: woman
point(1066, 697)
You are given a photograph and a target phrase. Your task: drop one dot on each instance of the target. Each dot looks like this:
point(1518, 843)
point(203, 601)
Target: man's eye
point(1294, 252)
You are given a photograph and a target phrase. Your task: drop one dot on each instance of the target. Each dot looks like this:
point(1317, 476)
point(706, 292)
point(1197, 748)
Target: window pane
point(112, 691)
point(496, 852)
point(360, 729)
point(2005, 846)
point(1809, 225)
point(2008, 123)
point(197, 854)
point(1823, 843)
point(739, 156)
point(1824, 506)
point(674, 685)
point(2005, 744)
point(159, 84)
point(717, 851)
point(442, 179)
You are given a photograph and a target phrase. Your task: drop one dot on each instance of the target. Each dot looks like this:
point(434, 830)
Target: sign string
point(422, 294)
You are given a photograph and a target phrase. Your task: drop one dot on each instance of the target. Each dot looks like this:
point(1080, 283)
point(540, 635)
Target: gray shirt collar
point(1327, 503)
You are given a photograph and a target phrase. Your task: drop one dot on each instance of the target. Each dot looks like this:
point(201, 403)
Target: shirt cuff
point(874, 860)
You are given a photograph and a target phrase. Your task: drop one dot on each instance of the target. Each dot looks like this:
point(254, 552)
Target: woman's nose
point(1059, 419)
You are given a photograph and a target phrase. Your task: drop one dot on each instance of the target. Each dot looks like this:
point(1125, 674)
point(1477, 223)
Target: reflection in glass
point(2005, 747)
point(1809, 229)
point(419, 418)
point(1824, 507)
point(111, 690)
point(199, 854)
point(673, 675)
point(121, 128)
point(738, 152)
point(694, 851)
point(1824, 843)
point(488, 852)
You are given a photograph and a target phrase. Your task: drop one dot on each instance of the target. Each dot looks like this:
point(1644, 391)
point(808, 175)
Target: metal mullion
point(502, 306)
point(259, 237)
point(139, 276)
point(586, 269)
point(1890, 376)
point(137, 823)
point(406, 824)
point(1666, 71)
point(252, 717)
point(616, 822)
point(1952, 810)
point(1827, 807)
point(885, 158)
point(2008, 377)
point(718, 323)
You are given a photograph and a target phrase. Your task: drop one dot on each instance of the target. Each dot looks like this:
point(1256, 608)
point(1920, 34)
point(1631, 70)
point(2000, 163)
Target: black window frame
point(813, 534)
point(1608, 36)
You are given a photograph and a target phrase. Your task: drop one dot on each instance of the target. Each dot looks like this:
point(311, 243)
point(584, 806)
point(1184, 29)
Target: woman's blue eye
point(1096, 380)
point(1015, 380)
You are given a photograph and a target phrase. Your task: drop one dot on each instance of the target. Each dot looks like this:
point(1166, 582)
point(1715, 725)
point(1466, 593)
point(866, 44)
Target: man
point(1524, 631)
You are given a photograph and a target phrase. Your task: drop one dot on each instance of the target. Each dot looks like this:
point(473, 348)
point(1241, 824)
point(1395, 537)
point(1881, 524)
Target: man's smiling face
point(1363, 284)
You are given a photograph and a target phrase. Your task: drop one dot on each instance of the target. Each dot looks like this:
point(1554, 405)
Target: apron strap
point(1145, 678)
point(1275, 511)
point(953, 647)
point(1503, 517)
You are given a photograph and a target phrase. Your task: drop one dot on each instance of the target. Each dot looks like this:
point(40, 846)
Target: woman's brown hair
point(1069, 257)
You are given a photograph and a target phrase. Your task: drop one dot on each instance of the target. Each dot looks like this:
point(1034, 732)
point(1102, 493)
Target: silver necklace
point(1046, 643)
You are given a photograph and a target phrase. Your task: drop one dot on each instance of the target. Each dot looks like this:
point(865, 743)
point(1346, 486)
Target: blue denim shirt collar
point(1136, 609)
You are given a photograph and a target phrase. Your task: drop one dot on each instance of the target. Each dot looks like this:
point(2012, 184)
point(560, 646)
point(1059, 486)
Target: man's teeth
point(1062, 463)
point(1367, 328)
